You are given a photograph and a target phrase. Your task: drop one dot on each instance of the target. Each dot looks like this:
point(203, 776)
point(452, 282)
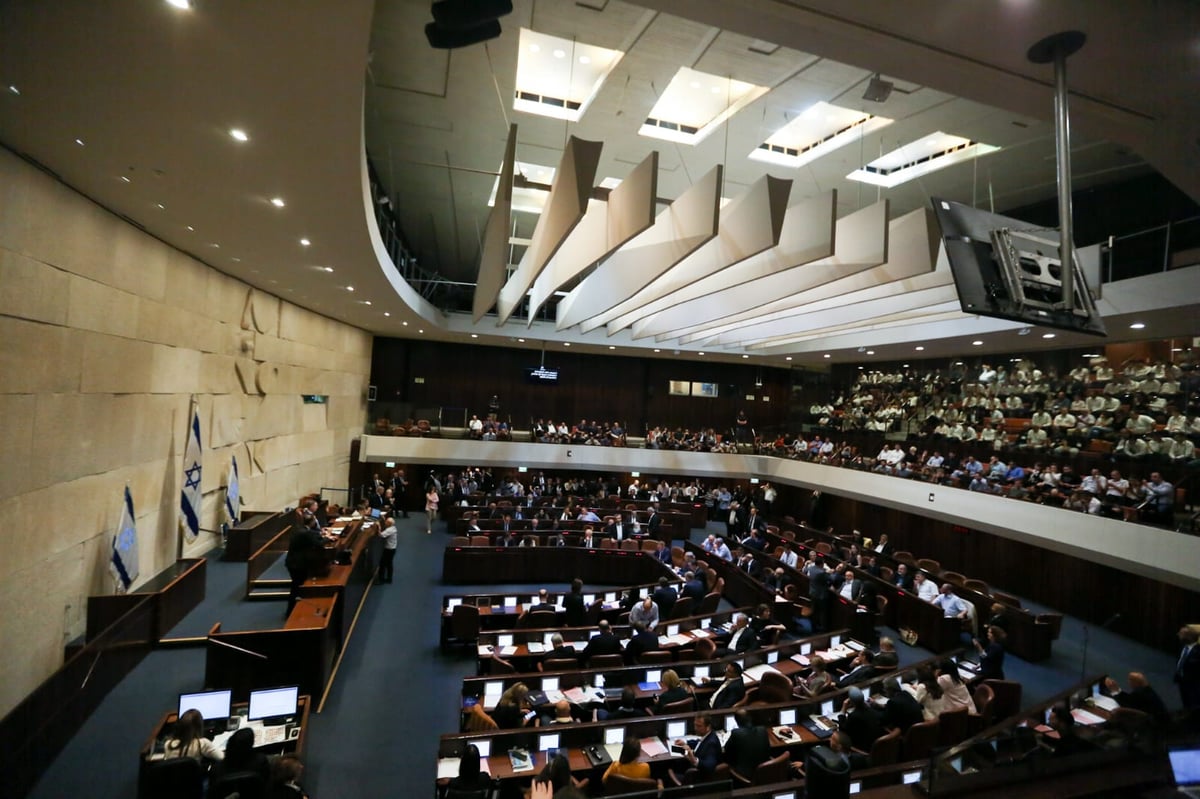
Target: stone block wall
point(106, 336)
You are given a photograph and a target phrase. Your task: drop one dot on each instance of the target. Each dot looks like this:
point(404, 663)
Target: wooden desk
point(173, 593)
point(255, 529)
point(484, 565)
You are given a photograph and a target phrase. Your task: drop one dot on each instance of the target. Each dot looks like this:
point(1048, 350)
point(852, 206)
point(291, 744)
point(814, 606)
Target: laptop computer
point(1185, 766)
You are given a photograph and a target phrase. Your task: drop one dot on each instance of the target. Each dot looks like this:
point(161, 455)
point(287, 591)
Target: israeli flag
point(124, 563)
point(232, 494)
point(189, 497)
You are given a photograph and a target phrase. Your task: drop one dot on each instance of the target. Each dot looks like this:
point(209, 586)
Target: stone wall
point(106, 336)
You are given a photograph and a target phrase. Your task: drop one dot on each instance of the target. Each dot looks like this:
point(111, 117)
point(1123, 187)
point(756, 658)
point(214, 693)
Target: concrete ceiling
point(152, 92)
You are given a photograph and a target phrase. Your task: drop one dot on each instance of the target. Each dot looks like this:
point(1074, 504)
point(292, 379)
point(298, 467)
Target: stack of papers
point(507, 650)
point(535, 648)
point(1105, 702)
point(553, 697)
point(700, 633)
point(801, 659)
point(676, 640)
point(1084, 717)
point(785, 734)
point(755, 673)
point(652, 747)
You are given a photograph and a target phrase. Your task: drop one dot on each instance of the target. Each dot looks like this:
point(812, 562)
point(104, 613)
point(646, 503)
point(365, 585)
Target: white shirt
point(928, 591)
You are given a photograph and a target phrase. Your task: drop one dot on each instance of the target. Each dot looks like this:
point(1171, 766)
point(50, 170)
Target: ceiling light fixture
point(191, 229)
point(13, 89)
point(404, 323)
point(278, 202)
point(878, 90)
point(1047, 335)
point(920, 349)
point(976, 343)
point(305, 242)
point(566, 343)
point(366, 302)
point(611, 347)
point(702, 353)
point(385, 313)
point(870, 352)
point(521, 340)
point(745, 356)
point(328, 268)
point(183, 5)
point(237, 134)
point(1137, 326)
point(474, 335)
point(658, 350)
point(788, 358)
point(827, 355)
point(79, 142)
point(349, 288)
point(124, 179)
point(160, 206)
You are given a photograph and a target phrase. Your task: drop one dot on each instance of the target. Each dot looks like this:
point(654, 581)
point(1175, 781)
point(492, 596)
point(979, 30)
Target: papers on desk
point(1105, 702)
point(580, 696)
point(520, 759)
point(579, 646)
point(674, 640)
point(485, 651)
point(554, 697)
point(265, 736)
point(855, 645)
point(505, 651)
point(448, 767)
point(801, 659)
point(821, 723)
point(535, 648)
point(347, 520)
point(614, 750)
point(1086, 718)
point(968, 671)
point(755, 673)
point(700, 633)
point(786, 734)
point(651, 747)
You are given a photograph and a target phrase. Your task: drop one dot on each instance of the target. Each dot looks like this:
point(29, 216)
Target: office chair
point(177, 778)
point(238, 785)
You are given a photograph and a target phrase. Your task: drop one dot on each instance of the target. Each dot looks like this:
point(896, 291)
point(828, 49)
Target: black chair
point(465, 793)
point(826, 775)
point(240, 784)
point(464, 626)
point(177, 778)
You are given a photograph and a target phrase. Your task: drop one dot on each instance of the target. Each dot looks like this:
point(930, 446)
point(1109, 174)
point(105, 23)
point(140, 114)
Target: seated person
point(645, 612)
point(241, 758)
point(842, 750)
point(902, 710)
point(285, 778)
point(628, 764)
point(1063, 740)
point(673, 691)
point(186, 739)
point(1140, 696)
point(817, 681)
point(747, 746)
point(731, 691)
point(470, 776)
point(705, 756)
point(742, 637)
point(859, 720)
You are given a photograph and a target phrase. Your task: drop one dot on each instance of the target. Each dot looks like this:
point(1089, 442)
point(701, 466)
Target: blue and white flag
point(124, 563)
point(189, 497)
point(233, 498)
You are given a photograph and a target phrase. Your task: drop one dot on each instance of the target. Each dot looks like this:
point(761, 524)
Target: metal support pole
point(1055, 49)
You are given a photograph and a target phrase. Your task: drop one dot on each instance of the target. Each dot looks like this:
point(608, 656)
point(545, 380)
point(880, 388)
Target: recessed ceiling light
point(366, 302)
point(1137, 326)
point(566, 343)
point(385, 313)
point(214, 245)
point(583, 59)
point(1177, 349)
point(474, 335)
point(827, 355)
point(521, 340)
point(328, 268)
point(560, 53)
point(420, 331)
point(745, 356)
point(160, 206)
point(349, 288)
point(788, 358)
point(191, 229)
point(305, 242)
point(611, 347)
point(404, 323)
point(920, 349)
point(870, 352)
point(184, 5)
point(13, 89)
point(278, 202)
point(976, 343)
point(658, 350)
point(79, 142)
point(238, 261)
point(701, 353)
point(124, 179)
point(1047, 335)
point(237, 134)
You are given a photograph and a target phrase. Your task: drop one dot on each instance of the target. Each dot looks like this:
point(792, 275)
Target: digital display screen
point(273, 702)
point(541, 375)
point(615, 735)
point(787, 718)
point(547, 742)
point(676, 729)
point(211, 704)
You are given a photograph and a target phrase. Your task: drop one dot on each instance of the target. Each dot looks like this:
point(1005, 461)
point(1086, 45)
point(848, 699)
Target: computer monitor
point(827, 707)
point(547, 639)
point(504, 640)
point(834, 641)
point(273, 703)
point(484, 745)
point(451, 604)
point(588, 599)
point(547, 742)
point(676, 730)
point(549, 683)
point(614, 735)
point(611, 596)
point(672, 629)
point(772, 657)
point(705, 623)
point(855, 787)
point(911, 777)
point(653, 675)
point(787, 718)
point(510, 601)
point(805, 649)
point(700, 673)
point(213, 705)
point(493, 688)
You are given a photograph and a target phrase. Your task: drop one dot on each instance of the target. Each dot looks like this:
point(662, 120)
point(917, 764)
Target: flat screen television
point(541, 375)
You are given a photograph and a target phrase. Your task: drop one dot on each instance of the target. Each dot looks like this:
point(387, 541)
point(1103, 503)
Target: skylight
point(817, 131)
point(695, 104)
point(928, 154)
point(558, 77)
point(529, 200)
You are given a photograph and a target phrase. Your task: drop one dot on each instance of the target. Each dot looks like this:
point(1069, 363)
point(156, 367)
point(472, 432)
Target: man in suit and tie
point(654, 522)
point(617, 528)
point(506, 523)
point(705, 756)
point(1140, 696)
point(603, 643)
point(902, 579)
point(1187, 674)
point(860, 721)
point(559, 650)
point(754, 521)
point(748, 745)
point(400, 491)
point(589, 538)
point(862, 669)
point(731, 691)
point(694, 587)
point(742, 637)
point(748, 564)
point(644, 640)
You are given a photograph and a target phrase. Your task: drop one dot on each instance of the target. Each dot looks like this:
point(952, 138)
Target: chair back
point(886, 749)
point(777, 769)
point(953, 724)
point(1007, 701)
point(177, 778)
point(606, 662)
point(541, 618)
point(685, 705)
point(559, 664)
point(954, 577)
point(920, 740)
point(238, 785)
point(501, 666)
point(460, 541)
point(1130, 721)
point(480, 541)
point(655, 656)
point(984, 697)
point(929, 565)
point(977, 585)
point(593, 612)
point(464, 622)
point(826, 774)
point(774, 687)
point(824, 547)
point(608, 543)
point(649, 545)
point(618, 783)
point(677, 556)
point(630, 544)
point(905, 557)
point(886, 573)
point(1055, 622)
point(1007, 599)
point(682, 608)
point(468, 793)
point(706, 648)
point(709, 604)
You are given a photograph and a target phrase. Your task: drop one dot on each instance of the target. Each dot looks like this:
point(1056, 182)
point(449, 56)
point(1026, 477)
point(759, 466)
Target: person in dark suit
point(654, 522)
point(509, 539)
point(306, 550)
point(705, 756)
point(860, 721)
point(901, 710)
point(663, 554)
point(665, 597)
point(694, 587)
point(991, 657)
point(1140, 696)
point(742, 637)
point(747, 746)
point(998, 617)
point(862, 668)
point(755, 523)
point(883, 547)
point(618, 529)
point(1187, 673)
point(559, 650)
point(731, 691)
point(603, 643)
point(886, 657)
point(748, 564)
point(819, 595)
point(902, 579)
point(576, 613)
point(541, 603)
point(643, 640)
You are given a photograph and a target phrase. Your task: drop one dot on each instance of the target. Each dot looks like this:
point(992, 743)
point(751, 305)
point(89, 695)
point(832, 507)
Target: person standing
point(431, 508)
point(305, 549)
point(388, 556)
point(400, 492)
point(1187, 674)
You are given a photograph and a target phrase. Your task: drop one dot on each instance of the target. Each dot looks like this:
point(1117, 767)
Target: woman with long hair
point(627, 765)
point(470, 776)
point(187, 739)
point(954, 692)
point(511, 709)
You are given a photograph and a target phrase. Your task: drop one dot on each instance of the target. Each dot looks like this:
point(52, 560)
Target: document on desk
point(535, 648)
point(674, 640)
point(801, 659)
point(700, 633)
point(448, 767)
point(1106, 702)
point(485, 651)
point(507, 650)
point(554, 697)
point(755, 673)
point(265, 736)
point(1086, 718)
point(653, 747)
